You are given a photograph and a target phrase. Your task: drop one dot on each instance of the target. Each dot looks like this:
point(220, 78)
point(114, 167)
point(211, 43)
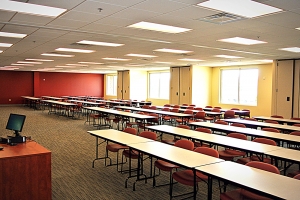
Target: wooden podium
point(25, 172)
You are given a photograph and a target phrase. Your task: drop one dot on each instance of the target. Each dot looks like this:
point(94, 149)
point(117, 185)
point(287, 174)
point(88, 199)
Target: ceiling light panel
point(75, 50)
point(78, 65)
point(41, 60)
point(190, 59)
point(227, 56)
point(13, 35)
point(57, 55)
point(118, 59)
point(244, 41)
point(140, 55)
point(172, 51)
point(158, 27)
point(291, 49)
point(91, 63)
point(32, 9)
point(99, 43)
point(245, 8)
point(5, 45)
point(27, 62)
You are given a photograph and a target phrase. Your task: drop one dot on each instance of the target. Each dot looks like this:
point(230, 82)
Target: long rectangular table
point(31, 102)
point(248, 131)
point(255, 124)
point(279, 120)
point(275, 186)
point(60, 107)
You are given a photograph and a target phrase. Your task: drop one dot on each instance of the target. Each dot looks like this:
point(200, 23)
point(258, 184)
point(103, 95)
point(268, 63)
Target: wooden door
point(185, 85)
point(283, 88)
point(174, 85)
point(120, 85)
point(126, 84)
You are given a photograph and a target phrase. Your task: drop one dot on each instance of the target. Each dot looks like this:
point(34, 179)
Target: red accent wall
point(69, 84)
point(13, 85)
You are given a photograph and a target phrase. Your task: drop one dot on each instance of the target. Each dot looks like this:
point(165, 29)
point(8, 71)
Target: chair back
point(190, 108)
point(148, 134)
point(198, 108)
point(166, 109)
point(216, 110)
point(167, 105)
point(263, 166)
point(176, 110)
point(238, 136)
point(145, 106)
point(185, 104)
point(271, 121)
point(270, 129)
point(185, 144)
point(297, 133)
point(221, 122)
point(229, 114)
point(277, 116)
point(297, 177)
point(265, 141)
point(218, 107)
point(296, 125)
point(183, 126)
point(152, 107)
point(188, 112)
point(208, 106)
point(207, 151)
point(176, 106)
point(199, 115)
point(204, 130)
point(132, 131)
point(234, 109)
point(238, 125)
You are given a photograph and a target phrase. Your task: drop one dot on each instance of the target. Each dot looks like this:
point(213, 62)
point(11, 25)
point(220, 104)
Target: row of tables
point(274, 185)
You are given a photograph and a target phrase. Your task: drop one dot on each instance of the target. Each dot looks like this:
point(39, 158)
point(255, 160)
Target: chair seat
point(165, 166)
point(241, 194)
point(293, 173)
point(170, 141)
point(200, 144)
point(133, 154)
point(229, 154)
point(115, 147)
point(186, 177)
point(266, 160)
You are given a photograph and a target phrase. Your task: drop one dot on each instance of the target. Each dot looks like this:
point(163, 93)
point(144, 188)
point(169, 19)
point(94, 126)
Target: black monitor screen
point(15, 123)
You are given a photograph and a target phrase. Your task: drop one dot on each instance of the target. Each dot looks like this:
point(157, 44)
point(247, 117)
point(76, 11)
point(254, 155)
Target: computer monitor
point(15, 122)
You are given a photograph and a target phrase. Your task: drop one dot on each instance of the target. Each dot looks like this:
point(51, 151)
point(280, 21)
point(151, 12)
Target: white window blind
point(159, 85)
point(111, 85)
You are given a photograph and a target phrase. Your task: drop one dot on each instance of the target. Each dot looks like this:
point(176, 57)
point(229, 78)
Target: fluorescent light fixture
point(75, 50)
point(91, 63)
point(239, 40)
point(227, 56)
point(291, 49)
point(9, 68)
point(140, 55)
point(19, 64)
point(63, 66)
point(172, 51)
point(134, 65)
point(56, 54)
point(99, 43)
point(159, 62)
point(190, 59)
point(1, 51)
point(118, 59)
point(13, 35)
point(41, 60)
point(32, 9)
point(78, 65)
point(158, 27)
point(245, 8)
point(5, 45)
point(266, 61)
point(27, 62)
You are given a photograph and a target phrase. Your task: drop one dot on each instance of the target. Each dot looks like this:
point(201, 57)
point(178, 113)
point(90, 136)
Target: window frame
point(159, 85)
point(115, 84)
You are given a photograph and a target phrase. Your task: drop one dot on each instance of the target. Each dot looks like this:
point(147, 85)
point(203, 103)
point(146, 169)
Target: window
point(239, 86)
point(159, 84)
point(111, 85)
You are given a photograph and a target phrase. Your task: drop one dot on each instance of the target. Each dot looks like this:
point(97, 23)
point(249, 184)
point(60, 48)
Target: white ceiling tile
point(67, 24)
point(81, 16)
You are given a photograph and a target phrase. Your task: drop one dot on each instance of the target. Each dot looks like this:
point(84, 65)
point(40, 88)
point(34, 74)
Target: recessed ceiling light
point(56, 54)
point(78, 65)
point(27, 62)
point(119, 59)
point(291, 49)
point(75, 50)
point(42, 60)
point(266, 61)
point(1, 51)
point(172, 51)
point(190, 59)
point(99, 43)
point(91, 63)
point(159, 62)
point(13, 35)
point(5, 45)
point(227, 56)
point(31, 9)
point(140, 55)
point(158, 27)
point(245, 8)
point(239, 40)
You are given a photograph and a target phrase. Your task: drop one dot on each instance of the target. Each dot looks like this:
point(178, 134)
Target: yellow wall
point(264, 96)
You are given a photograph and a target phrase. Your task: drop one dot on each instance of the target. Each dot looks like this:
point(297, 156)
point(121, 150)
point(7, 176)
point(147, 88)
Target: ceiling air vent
point(222, 18)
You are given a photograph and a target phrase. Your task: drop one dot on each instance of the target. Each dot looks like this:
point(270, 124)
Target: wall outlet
point(9, 99)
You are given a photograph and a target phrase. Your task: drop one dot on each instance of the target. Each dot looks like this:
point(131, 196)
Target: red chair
point(244, 194)
point(229, 114)
point(230, 154)
point(204, 130)
point(185, 120)
point(199, 117)
point(113, 147)
point(271, 121)
point(270, 129)
point(168, 167)
point(265, 159)
point(198, 108)
point(238, 125)
point(186, 177)
point(277, 116)
point(221, 122)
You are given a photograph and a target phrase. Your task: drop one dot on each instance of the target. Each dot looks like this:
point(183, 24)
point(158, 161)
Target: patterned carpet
point(73, 151)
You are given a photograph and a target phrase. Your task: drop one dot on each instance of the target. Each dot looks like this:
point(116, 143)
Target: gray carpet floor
point(73, 151)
